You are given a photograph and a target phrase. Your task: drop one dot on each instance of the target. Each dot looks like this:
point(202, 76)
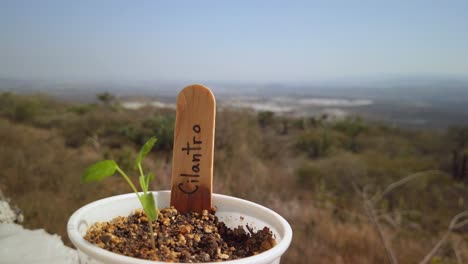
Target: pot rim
point(105, 255)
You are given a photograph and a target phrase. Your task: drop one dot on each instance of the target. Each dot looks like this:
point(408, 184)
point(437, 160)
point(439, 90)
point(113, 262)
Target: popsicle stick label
point(192, 163)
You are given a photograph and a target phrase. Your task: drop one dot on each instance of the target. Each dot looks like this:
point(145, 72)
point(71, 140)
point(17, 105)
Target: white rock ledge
point(19, 245)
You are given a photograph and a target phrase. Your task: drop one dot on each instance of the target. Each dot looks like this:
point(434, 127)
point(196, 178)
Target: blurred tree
point(20, 108)
point(105, 98)
point(316, 143)
point(298, 123)
point(284, 126)
point(81, 109)
point(458, 137)
point(26, 110)
point(352, 127)
point(265, 118)
point(160, 125)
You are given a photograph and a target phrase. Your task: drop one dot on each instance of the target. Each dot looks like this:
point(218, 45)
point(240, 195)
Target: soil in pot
point(190, 237)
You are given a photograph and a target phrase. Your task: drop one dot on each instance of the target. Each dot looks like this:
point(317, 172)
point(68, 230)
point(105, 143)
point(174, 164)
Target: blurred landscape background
point(348, 119)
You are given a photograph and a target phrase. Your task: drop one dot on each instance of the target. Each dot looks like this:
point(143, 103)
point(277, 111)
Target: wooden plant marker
point(192, 162)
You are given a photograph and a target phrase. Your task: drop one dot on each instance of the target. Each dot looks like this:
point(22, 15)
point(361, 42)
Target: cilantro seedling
point(106, 168)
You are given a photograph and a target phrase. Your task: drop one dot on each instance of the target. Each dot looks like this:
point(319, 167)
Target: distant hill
point(421, 101)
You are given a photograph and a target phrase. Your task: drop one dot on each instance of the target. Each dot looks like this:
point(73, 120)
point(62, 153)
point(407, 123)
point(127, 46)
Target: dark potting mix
point(190, 237)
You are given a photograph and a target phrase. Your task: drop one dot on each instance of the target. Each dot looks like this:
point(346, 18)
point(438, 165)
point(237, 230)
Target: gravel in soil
point(190, 237)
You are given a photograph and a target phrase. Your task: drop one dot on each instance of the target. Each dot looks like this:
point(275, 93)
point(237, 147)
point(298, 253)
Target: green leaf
point(146, 149)
point(143, 185)
point(147, 201)
point(149, 178)
point(99, 171)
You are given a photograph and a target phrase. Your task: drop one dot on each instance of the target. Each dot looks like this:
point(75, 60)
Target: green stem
point(128, 181)
point(153, 243)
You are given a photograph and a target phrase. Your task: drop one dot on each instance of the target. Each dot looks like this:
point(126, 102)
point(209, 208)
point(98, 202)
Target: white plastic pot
point(232, 211)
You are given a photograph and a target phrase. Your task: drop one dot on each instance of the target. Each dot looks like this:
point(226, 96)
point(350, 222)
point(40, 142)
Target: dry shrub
point(252, 161)
point(319, 237)
point(42, 176)
point(249, 162)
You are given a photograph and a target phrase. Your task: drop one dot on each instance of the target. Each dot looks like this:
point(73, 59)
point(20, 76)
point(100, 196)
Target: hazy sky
point(269, 41)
